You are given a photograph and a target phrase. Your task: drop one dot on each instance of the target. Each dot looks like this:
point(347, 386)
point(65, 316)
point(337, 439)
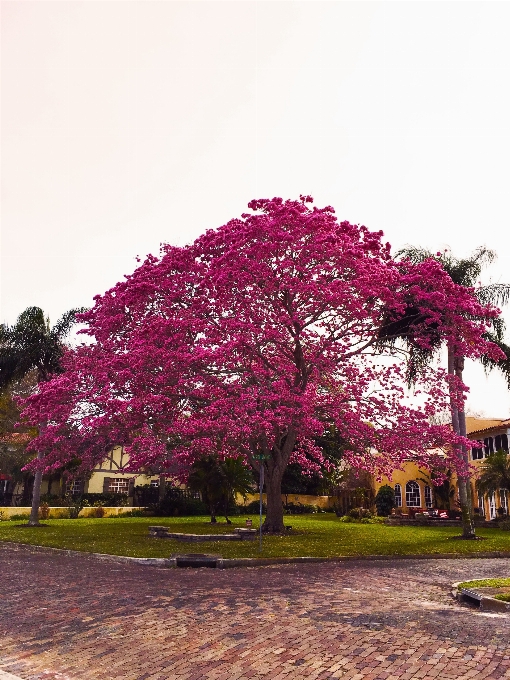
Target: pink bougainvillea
point(253, 340)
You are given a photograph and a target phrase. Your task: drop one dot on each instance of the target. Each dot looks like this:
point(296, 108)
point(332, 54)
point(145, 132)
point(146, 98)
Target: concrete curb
point(8, 676)
point(229, 563)
point(487, 602)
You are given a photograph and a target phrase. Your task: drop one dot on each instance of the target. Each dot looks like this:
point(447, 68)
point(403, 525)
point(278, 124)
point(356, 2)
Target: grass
point(321, 535)
point(486, 583)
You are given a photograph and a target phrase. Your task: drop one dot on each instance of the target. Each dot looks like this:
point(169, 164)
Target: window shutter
point(106, 484)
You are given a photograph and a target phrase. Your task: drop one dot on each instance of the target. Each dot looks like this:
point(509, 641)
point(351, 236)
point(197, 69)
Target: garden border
point(229, 563)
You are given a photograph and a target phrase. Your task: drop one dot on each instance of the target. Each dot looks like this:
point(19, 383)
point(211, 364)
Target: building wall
point(410, 473)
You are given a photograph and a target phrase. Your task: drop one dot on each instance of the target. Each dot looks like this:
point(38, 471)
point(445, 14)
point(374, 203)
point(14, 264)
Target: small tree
point(32, 346)
point(218, 482)
point(385, 500)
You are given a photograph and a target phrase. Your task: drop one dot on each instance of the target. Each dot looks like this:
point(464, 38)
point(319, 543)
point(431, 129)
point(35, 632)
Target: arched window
point(503, 500)
point(492, 506)
point(504, 442)
point(488, 446)
point(413, 495)
point(398, 496)
point(476, 453)
point(428, 497)
point(497, 442)
point(481, 505)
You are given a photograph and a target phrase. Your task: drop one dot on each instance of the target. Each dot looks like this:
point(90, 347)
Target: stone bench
point(240, 534)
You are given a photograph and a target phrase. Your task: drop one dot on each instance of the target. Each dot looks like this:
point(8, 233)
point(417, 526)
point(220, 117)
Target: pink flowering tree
point(253, 341)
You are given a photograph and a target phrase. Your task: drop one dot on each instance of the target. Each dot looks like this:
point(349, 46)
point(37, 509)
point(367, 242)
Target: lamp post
point(261, 458)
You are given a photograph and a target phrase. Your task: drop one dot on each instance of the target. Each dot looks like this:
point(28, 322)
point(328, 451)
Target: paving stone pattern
point(64, 617)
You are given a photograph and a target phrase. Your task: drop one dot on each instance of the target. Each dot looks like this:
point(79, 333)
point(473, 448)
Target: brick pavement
point(67, 617)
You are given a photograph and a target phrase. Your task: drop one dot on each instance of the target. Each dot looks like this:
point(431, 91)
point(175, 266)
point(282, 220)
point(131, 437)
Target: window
point(492, 506)
point(497, 442)
point(155, 483)
point(488, 446)
point(504, 442)
point(481, 505)
point(476, 454)
point(398, 496)
point(413, 495)
point(503, 500)
point(118, 486)
point(74, 487)
point(428, 497)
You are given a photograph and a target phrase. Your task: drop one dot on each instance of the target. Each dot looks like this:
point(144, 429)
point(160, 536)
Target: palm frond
point(495, 473)
point(63, 326)
point(494, 294)
point(503, 365)
point(414, 253)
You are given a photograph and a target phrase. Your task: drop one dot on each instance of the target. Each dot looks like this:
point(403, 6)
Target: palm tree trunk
point(36, 497)
point(455, 368)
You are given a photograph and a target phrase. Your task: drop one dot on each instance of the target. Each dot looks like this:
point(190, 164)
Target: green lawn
point(312, 535)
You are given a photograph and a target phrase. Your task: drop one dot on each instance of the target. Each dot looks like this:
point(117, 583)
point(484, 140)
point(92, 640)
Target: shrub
point(21, 517)
point(504, 524)
point(99, 511)
point(385, 500)
point(111, 500)
point(44, 511)
point(360, 513)
point(252, 508)
point(179, 507)
point(300, 509)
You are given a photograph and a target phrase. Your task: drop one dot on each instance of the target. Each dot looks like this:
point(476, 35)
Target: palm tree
point(495, 473)
point(464, 272)
point(218, 482)
point(32, 345)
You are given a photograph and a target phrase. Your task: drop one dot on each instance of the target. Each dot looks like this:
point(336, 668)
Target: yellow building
point(412, 485)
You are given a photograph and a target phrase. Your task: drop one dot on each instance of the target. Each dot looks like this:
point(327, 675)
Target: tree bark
point(36, 496)
point(273, 523)
point(162, 488)
point(456, 368)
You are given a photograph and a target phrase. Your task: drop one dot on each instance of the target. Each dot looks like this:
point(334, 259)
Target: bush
point(360, 513)
point(301, 509)
point(110, 500)
point(252, 508)
point(504, 524)
point(98, 511)
point(385, 500)
point(21, 517)
point(179, 507)
point(44, 511)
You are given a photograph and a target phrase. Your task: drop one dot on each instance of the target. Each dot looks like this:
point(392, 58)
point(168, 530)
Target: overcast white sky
point(125, 124)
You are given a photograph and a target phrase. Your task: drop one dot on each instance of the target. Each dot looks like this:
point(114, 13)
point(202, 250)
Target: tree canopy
point(255, 340)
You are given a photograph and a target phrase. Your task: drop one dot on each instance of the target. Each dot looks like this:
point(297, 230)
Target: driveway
point(76, 616)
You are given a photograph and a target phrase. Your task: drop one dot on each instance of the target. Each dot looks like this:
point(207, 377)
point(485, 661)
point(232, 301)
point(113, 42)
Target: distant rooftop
point(474, 425)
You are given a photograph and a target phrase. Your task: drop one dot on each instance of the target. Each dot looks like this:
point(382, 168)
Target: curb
point(486, 602)
point(8, 676)
point(229, 563)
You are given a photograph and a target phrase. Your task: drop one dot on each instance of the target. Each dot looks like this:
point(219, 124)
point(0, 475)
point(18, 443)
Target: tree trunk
point(36, 497)
point(162, 488)
point(455, 368)
point(273, 523)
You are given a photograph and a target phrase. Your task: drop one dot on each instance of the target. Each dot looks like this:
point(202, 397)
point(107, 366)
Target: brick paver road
point(64, 617)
